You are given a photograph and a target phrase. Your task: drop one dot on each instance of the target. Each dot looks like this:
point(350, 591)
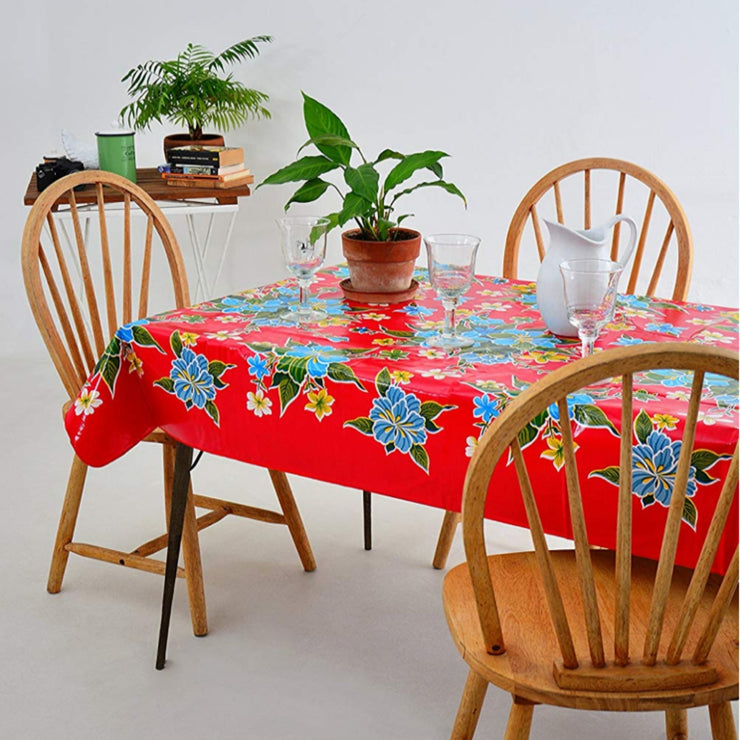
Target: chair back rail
point(79, 295)
point(630, 670)
point(631, 178)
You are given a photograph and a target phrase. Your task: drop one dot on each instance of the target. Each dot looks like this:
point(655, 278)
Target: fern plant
point(194, 91)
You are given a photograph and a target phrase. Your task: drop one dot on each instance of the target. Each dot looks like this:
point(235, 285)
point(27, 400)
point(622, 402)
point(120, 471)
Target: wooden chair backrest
point(627, 177)
point(78, 321)
point(502, 438)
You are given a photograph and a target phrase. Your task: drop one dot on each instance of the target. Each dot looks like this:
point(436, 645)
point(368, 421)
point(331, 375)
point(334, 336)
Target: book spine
point(194, 169)
point(192, 158)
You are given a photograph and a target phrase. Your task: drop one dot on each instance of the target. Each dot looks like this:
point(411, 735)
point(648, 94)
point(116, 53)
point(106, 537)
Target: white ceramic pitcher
point(571, 244)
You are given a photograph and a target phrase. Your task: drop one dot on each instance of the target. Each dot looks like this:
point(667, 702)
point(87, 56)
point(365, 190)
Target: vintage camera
point(51, 170)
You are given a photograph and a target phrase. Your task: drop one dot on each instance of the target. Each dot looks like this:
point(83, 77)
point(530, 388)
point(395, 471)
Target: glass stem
point(587, 344)
point(449, 305)
point(303, 286)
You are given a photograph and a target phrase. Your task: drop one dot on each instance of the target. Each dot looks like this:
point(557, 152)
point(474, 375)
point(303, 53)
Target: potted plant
point(380, 252)
point(194, 91)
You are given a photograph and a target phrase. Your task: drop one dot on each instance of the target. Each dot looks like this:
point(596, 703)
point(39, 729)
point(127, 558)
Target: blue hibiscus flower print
point(126, 332)
point(674, 331)
point(626, 340)
point(258, 366)
point(654, 464)
point(397, 421)
point(318, 362)
point(485, 408)
point(193, 384)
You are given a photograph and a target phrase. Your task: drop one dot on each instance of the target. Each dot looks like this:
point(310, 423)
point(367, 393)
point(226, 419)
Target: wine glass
point(590, 293)
point(303, 241)
point(451, 264)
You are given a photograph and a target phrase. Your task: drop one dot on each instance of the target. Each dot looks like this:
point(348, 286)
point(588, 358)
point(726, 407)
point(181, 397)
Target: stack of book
point(206, 167)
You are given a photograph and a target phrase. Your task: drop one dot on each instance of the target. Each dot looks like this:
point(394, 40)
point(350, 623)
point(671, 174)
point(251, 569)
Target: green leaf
point(420, 457)
point(309, 191)
point(167, 383)
point(344, 374)
point(410, 164)
point(109, 369)
point(383, 381)
point(388, 154)
point(448, 186)
point(690, 513)
point(643, 426)
point(212, 411)
point(305, 168)
point(354, 206)
point(143, 338)
point(432, 409)
point(287, 391)
point(399, 333)
point(320, 121)
point(703, 459)
point(588, 415)
point(431, 426)
point(527, 435)
point(295, 367)
point(329, 140)
point(176, 343)
point(611, 474)
point(361, 424)
point(217, 368)
point(363, 181)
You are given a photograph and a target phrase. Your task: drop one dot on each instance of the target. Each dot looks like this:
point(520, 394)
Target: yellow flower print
point(472, 445)
point(665, 421)
point(87, 402)
point(544, 356)
point(258, 403)
point(432, 354)
point(189, 338)
point(320, 402)
point(384, 341)
point(401, 376)
point(555, 451)
point(135, 364)
point(370, 316)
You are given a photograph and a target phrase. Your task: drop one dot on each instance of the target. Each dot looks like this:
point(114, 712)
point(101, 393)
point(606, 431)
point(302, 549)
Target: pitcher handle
point(633, 235)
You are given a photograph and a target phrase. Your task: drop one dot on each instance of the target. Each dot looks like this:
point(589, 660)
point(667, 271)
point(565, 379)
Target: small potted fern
point(194, 91)
point(380, 252)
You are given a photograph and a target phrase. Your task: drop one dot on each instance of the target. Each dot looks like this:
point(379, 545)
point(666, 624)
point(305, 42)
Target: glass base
point(304, 315)
point(450, 341)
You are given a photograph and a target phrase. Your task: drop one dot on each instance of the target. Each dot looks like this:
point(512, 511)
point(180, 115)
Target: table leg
point(367, 520)
point(180, 484)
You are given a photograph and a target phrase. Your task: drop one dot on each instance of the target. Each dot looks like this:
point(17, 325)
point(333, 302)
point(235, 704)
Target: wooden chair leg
point(67, 522)
point(723, 723)
point(470, 705)
point(293, 519)
point(676, 724)
point(520, 720)
point(190, 548)
point(446, 535)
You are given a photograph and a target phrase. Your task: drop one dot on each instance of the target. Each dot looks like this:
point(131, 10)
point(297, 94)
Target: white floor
point(358, 649)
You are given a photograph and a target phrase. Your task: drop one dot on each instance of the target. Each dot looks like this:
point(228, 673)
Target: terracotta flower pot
point(184, 140)
point(380, 272)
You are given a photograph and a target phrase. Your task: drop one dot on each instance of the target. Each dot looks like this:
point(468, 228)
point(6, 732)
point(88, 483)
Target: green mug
point(116, 152)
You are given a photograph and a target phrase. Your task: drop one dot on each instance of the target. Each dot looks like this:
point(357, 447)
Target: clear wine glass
point(451, 264)
point(303, 241)
point(590, 293)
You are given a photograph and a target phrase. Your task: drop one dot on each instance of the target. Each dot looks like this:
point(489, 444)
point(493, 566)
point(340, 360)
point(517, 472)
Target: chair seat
point(526, 668)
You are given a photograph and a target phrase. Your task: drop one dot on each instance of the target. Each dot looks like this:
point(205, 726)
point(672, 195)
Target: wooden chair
point(79, 300)
point(618, 187)
point(538, 624)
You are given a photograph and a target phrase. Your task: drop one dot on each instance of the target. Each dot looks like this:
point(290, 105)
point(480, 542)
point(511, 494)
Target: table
point(360, 400)
point(174, 201)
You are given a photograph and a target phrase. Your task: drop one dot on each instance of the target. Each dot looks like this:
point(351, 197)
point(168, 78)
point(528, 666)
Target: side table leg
point(180, 485)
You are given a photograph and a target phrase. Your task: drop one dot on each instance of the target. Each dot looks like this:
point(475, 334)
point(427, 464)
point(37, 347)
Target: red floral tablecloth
point(361, 400)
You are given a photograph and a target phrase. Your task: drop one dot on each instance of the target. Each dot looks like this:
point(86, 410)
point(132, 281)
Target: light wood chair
point(79, 300)
point(591, 628)
point(595, 189)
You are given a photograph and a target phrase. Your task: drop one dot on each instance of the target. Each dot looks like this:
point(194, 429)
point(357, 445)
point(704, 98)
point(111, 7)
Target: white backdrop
point(509, 89)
